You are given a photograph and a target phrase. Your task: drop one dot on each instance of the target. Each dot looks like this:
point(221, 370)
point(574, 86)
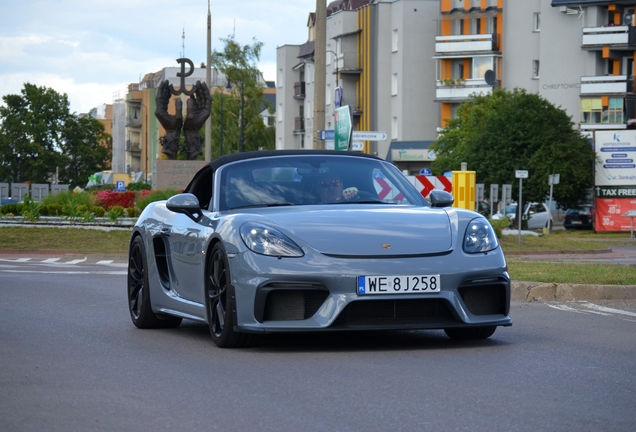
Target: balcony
point(460, 92)
point(299, 125)
point(616, 37)
point(133, 122)
point(133, 146)
point(606, 84)
point(468, 44)
point(299, 90)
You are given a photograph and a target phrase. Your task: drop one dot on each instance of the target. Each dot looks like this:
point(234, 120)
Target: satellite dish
point(489, 76)
point(628, 19)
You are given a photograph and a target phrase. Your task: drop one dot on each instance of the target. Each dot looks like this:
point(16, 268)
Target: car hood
point(370, 230)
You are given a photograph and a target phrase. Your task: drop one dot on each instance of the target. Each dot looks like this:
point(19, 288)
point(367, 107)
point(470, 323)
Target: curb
point(559, 252)
point(532, 291)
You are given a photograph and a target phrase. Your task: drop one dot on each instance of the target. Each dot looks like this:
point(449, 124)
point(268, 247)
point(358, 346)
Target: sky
point(91, 50)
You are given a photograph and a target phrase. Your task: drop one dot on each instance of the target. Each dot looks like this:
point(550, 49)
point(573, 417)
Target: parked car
point(537, 214)
point(252, 246)
point(581, 217)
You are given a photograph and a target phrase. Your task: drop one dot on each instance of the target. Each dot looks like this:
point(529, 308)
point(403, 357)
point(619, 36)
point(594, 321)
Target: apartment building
point(406, 65)
point(379, 57)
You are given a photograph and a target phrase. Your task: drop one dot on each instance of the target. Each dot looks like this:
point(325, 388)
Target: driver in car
point(330, 190)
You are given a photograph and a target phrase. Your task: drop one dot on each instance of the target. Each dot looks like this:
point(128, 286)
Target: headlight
point(268, 241)
point(479, 237)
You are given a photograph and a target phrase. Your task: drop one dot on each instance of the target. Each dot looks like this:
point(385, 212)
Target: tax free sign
point(343, 128)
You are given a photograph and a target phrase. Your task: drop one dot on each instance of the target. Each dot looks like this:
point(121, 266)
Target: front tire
point(139, 304)
point(470, 333)
point(220, 302)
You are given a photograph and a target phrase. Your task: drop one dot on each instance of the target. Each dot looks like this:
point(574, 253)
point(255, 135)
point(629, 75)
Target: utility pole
point(320, 69)
point(208, 81)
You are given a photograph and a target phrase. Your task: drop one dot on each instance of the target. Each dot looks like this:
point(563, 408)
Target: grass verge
point(572, 272)
point(71, 239)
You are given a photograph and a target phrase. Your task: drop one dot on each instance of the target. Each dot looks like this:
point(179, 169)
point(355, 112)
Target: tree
point(88, 148)
point(514, 130)
point(30, 133)
point(239, 64)
point(38, 135)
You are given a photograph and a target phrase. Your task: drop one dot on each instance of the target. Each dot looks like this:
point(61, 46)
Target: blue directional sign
point(327, 135)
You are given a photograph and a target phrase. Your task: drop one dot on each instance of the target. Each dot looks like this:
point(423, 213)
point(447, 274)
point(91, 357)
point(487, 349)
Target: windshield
point(313, 179)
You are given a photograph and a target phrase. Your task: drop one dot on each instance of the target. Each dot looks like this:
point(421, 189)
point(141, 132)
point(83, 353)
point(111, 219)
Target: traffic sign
point(337, 100)
point(369, 135)
point(343, 128)
point(426, 172)
point(326, 135)
point(521, 174)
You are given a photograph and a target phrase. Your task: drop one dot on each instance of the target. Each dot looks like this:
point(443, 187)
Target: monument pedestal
point(176, 174)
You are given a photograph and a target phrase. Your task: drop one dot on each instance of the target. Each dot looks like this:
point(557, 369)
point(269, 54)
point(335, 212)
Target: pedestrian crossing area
point(64, 261)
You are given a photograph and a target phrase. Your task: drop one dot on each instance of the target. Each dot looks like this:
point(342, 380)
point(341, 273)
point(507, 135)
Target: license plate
point(577, 223)
point(379, 285)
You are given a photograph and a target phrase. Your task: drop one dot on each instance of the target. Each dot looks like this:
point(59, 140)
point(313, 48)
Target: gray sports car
point(282, 241)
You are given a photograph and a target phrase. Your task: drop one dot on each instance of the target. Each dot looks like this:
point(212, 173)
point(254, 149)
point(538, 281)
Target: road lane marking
point(571, 309)
point(105, 262)
point(76, 261)
point(606, 309)
point(17, 260)
point(114, 272)
point(50, 260)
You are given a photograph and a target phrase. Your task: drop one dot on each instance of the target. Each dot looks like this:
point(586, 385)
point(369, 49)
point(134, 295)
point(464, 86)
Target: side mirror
point(187, 204)
point(440, 198)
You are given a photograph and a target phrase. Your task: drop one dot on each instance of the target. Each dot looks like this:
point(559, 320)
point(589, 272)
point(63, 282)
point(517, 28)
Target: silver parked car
point(281, 241)
point(538, 215)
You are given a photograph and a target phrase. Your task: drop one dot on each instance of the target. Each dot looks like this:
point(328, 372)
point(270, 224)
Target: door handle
point(166, 231)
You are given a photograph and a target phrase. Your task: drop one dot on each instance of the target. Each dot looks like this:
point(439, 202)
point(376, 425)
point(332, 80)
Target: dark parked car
point(579, 218)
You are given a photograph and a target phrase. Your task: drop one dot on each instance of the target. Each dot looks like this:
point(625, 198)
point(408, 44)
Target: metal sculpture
point(198, 108)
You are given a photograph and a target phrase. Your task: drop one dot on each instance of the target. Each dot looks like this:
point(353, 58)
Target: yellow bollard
point(464, 184)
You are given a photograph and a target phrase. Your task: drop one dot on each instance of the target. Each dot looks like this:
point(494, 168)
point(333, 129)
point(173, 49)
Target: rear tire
point(220, 302)
point(470, 333)
point(139, 304)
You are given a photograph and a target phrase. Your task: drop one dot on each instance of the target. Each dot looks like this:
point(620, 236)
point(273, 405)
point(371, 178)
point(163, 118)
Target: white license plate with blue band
point(379, 285)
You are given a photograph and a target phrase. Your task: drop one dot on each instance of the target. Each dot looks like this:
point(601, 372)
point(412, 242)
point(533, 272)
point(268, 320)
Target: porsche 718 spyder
point(287, 241)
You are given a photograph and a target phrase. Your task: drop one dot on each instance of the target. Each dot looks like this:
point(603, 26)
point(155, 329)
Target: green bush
point(139, 186)
point(51, 210)
point(99, 211)
point(115, 212)
point(14, 209)
point(159, 195)
point(499, 225)
point(132, 212)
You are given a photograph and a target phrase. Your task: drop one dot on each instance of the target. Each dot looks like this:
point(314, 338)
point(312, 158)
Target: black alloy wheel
point(139, 292)
point(220, 302)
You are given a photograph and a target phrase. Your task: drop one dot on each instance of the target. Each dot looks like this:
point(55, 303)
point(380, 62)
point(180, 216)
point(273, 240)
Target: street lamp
point(336, 60)
point(242, 139)
point(228, 87)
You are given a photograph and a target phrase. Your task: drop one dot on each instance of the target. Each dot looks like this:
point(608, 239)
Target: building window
point(491, 25)
point(593, 111)
point(394, 41)
point(394, 85)
point(536, 22)
point(394, 128)
point(481, 65)
point(475, 26)
point(535, 69)
point(279, 112)
point(613, 113)
point(280, 77)
point(328, 95)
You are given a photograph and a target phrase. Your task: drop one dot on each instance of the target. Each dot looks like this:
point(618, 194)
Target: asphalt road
point(70, 359)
